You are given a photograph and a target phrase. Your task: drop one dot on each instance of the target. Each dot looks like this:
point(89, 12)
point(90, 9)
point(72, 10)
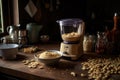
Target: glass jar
point(101, 42)
point(89, 43)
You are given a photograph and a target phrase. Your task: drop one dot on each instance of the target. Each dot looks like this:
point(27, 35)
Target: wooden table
point(59, 72)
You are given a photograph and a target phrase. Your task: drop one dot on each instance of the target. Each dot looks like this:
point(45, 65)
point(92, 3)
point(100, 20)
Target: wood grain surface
point(60, 71)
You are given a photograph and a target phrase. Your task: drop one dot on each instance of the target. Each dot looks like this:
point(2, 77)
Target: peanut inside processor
point(73, 36)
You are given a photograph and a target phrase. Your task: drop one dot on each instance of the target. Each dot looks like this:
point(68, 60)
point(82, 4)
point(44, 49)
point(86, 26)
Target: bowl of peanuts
point(48, 57)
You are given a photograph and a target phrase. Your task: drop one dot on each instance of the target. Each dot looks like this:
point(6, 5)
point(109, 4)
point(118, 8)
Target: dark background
point(96, 13)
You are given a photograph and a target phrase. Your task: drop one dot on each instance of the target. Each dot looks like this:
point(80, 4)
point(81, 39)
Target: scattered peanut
point(101, 69)
point(41, 67)
point(73, 74)
point(32, 63)
point(82, 75)
point(26, 62)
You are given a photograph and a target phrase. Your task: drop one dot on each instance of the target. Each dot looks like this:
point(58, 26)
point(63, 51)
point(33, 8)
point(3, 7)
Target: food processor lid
point(70, 21)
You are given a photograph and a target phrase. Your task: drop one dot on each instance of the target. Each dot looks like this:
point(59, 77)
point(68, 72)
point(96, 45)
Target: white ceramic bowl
point(8, 51)
point(49, 61)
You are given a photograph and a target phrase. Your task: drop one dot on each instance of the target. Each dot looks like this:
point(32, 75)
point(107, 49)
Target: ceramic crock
point(33, 30)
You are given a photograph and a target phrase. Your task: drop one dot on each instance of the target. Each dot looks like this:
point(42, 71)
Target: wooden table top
point(62, 71)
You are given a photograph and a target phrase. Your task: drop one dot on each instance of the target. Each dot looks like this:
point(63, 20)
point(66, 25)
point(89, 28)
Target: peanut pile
point(102, 69)
point(32, 64)
point(98, 69)
point(73, 36)
point(48, 55)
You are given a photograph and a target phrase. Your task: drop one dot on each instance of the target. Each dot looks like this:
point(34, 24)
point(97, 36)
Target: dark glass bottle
point(115, 35)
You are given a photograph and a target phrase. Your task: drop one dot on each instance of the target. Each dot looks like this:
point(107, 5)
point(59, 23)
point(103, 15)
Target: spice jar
point(101, 42)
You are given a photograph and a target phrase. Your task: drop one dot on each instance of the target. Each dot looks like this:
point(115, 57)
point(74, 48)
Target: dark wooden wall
point(67, 9)
point(104, 11)
point(103, 14)
point(47, 18)
point(7, 13)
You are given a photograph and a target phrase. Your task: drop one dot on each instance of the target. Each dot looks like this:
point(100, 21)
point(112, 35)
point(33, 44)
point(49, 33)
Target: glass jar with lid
point(89, 43)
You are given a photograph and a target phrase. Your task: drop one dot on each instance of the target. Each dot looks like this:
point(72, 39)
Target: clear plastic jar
point(88, 43)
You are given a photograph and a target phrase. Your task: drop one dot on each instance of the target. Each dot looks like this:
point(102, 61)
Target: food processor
point(72, 32)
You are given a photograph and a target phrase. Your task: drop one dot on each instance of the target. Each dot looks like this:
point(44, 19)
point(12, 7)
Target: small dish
point(48, 57)
point(8, 51)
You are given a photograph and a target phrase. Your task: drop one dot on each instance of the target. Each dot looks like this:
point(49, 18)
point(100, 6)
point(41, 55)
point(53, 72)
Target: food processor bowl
point(71, 29)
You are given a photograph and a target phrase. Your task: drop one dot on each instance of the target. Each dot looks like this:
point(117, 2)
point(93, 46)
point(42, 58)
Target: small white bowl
point(49, 61)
